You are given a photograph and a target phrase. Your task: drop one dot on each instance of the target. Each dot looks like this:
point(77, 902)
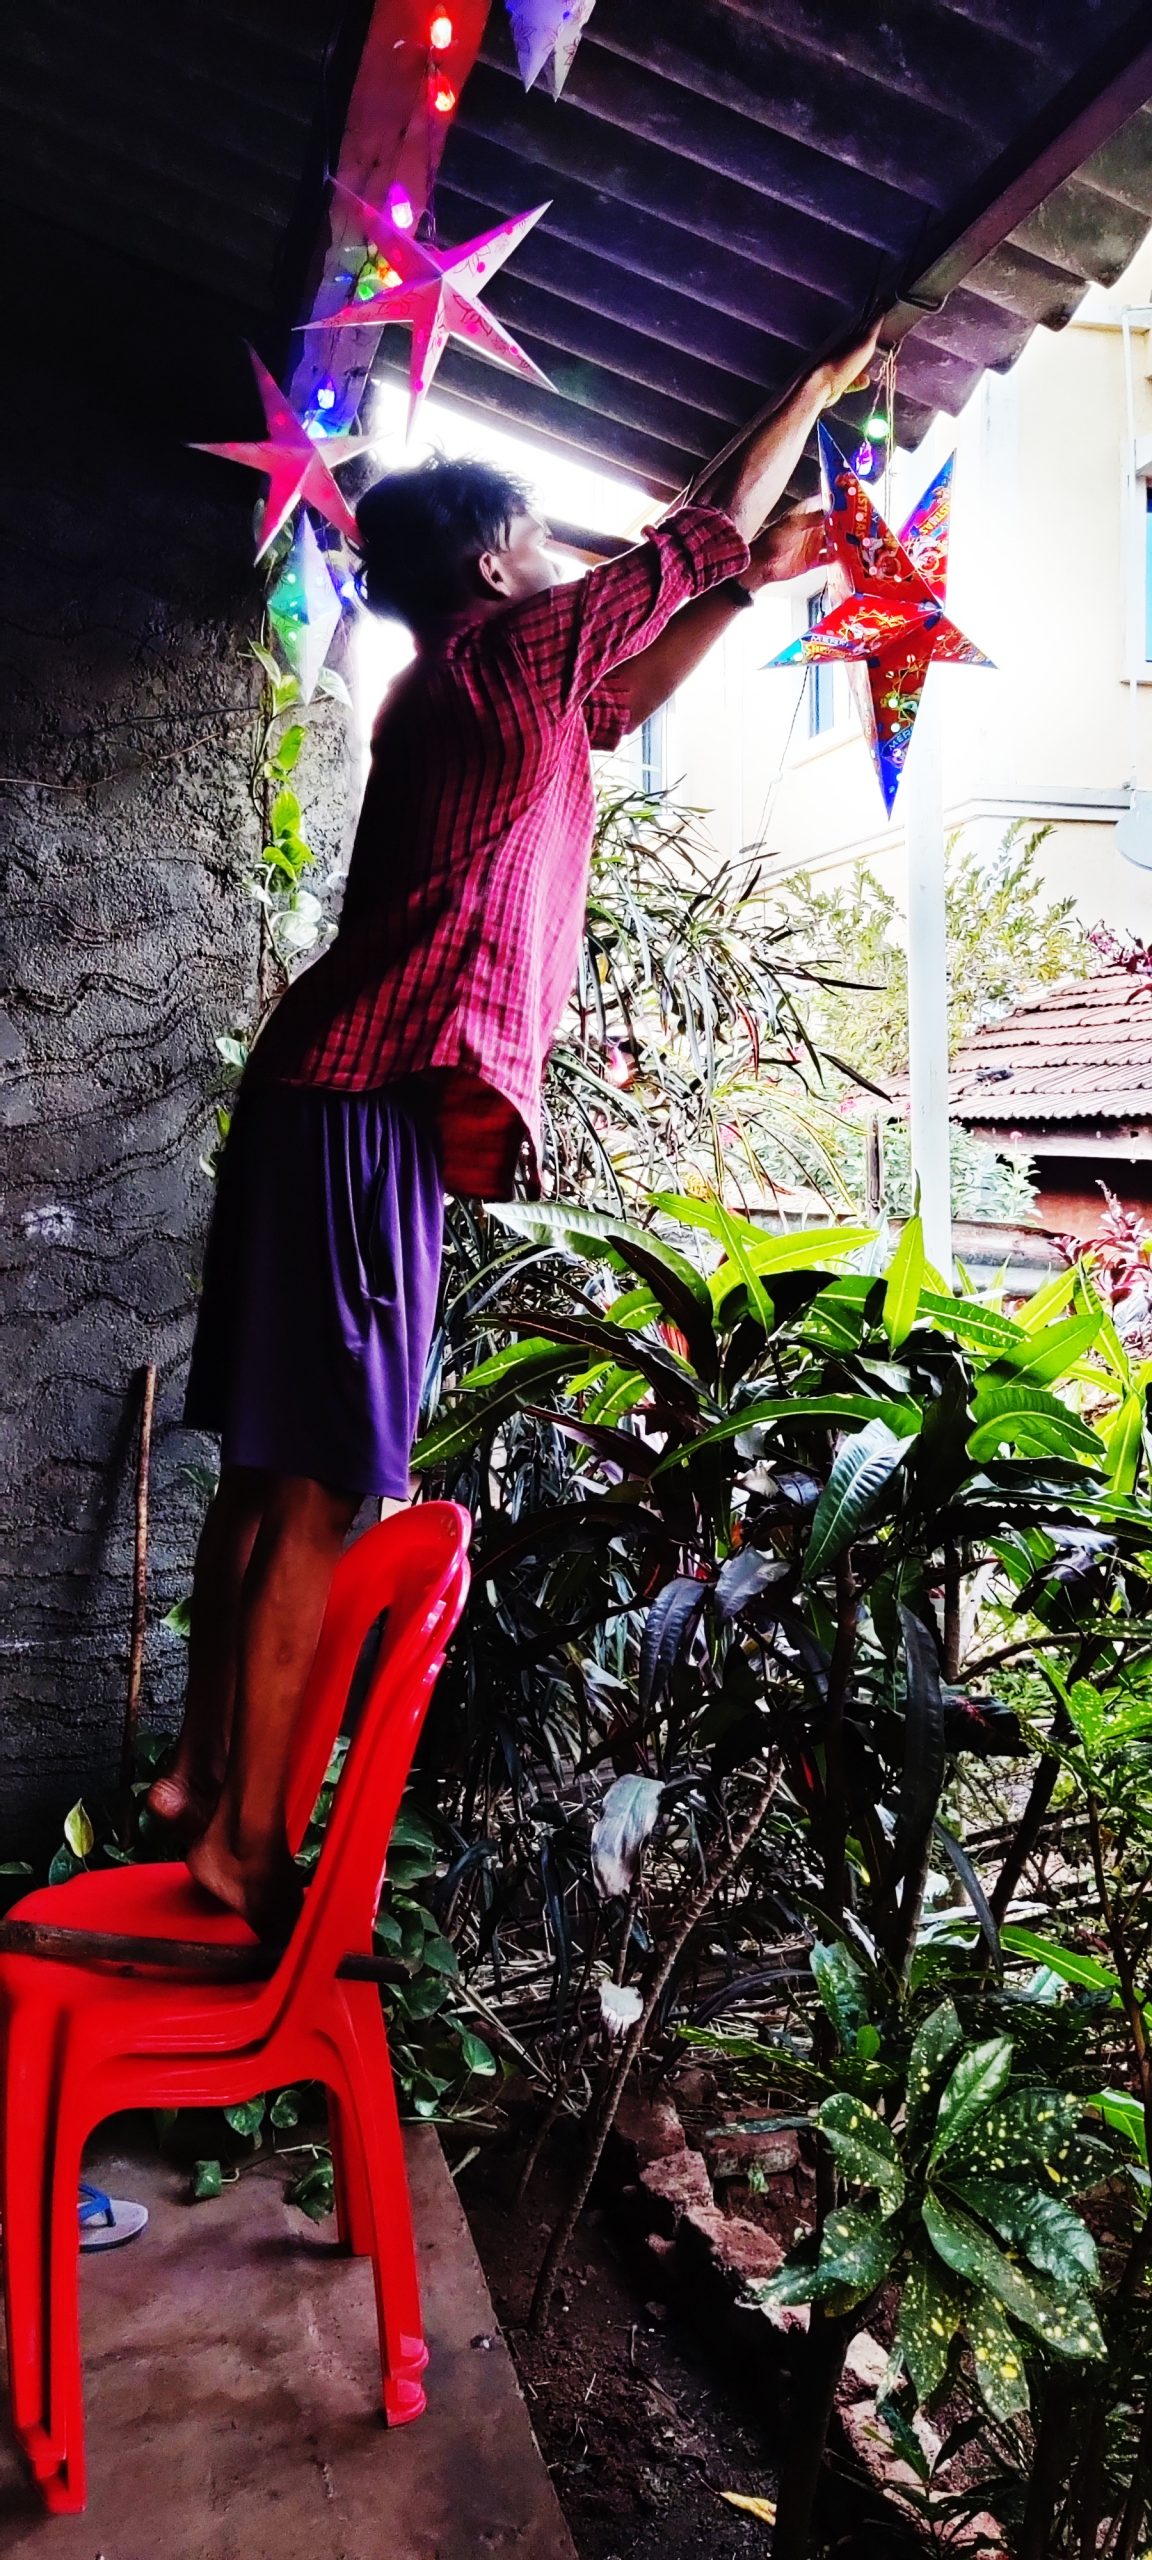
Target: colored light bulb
point(440, 33)
point(400, 208)
point(443, 97)
point(864, 461)
point(877, 426)
point(326, 395)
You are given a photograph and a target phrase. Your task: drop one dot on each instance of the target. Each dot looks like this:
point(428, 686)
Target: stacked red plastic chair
point(82, 2042)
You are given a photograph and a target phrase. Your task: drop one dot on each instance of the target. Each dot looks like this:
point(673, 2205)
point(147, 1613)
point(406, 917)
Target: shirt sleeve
point(608, 712)
point(569, 638)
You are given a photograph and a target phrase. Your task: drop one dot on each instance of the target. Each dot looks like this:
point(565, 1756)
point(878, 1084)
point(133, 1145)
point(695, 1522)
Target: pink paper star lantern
point(546, 34)
point(438, 293)
point(295, 464)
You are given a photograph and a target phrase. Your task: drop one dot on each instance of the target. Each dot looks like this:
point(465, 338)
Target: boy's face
point(524, 565)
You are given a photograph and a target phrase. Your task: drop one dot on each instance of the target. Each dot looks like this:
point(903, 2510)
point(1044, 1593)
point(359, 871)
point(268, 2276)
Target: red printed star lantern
point(296, 464)
point(886, 620)
point(437, 291)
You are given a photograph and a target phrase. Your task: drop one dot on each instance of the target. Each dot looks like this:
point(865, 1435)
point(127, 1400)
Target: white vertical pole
point(922, 798)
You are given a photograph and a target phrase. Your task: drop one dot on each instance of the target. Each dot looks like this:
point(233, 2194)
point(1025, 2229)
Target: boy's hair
point(419, 530)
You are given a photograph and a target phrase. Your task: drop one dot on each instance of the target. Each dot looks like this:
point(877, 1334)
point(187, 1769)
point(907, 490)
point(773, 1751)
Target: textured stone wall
point(127, 941)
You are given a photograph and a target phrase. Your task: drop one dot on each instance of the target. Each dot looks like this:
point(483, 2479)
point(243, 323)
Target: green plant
point(804, 1511)
point(1007, 941)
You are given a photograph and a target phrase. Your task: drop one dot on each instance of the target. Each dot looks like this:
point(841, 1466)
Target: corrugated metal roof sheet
point(1082, 1053)
point(731, 184)
point(162, 181)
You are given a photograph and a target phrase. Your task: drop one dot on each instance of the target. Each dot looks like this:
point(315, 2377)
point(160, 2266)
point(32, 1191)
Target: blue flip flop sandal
point(107, 2221)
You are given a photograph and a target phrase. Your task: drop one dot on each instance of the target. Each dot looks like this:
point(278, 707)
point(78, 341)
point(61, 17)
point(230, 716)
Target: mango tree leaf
point(1125, 2115)
point(843, 1990)
point(1028, 1417)
point(896, 1414)
point(859, 1474)
point(744, 1578)
point(1046, 1302)
point(1123, 1444)
point(998, 2358)
point(922, 1776)
point(729, 1229)
point(959, 1859)
point(1048, 1354)
point(669, 1627)
point(978, 2078)
point(977, 1327)
point(930, 2313)
point(1068, 1962)
point(627, 1818)
point(803, 1250)
point(904, 1283)
point(865, 2147)
point(857, 2249)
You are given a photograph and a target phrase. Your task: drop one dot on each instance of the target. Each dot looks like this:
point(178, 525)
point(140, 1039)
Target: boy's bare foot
point(266, 1890)
point(182, 1808)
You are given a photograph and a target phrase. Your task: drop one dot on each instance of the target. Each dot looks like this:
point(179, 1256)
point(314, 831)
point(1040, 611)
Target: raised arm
point(783, 550)
point(748, 486)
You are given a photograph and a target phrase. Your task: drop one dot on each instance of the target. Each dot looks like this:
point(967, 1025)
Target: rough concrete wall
point(127, 941)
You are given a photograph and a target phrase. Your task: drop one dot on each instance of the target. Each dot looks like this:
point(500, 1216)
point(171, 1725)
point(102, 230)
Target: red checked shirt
point(460, 930)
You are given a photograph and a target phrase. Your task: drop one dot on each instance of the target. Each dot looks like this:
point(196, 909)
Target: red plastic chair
point(80, 2044)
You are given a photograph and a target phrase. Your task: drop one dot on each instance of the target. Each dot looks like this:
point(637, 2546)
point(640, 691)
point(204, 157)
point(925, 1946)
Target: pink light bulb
point(400, 208)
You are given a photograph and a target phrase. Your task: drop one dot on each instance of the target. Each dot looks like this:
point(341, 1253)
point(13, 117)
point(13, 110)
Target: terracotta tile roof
point(1082, 1052)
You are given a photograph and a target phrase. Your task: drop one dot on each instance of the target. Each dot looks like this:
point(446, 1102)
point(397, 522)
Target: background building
point(1052, 536)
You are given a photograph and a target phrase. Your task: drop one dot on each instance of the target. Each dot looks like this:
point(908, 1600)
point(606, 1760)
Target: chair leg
point(64, 2488)
point(373, 2129)
point(24, 2207)
point(353, 2202)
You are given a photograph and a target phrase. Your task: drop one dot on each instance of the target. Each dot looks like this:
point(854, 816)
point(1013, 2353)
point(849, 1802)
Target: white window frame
point(816, 739)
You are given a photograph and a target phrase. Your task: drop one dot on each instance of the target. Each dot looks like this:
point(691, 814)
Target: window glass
point(820, 700)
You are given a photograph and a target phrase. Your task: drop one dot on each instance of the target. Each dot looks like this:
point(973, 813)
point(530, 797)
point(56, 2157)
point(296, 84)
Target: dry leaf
point(763, 2508)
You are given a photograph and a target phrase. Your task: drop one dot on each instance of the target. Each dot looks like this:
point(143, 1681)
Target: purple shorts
point(321, 1282)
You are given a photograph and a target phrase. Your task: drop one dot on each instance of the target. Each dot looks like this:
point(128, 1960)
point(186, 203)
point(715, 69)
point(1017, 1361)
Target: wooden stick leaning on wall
point(139, 1603)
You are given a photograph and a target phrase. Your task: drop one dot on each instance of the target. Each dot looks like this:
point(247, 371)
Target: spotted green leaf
point(207, 2181)
point(864, 2146)
point(932, 2049)
point(856, 2253)
point(1066, 2322)
point(1030, 2127)
point(1041, 2226)
point(930, 2313)
point(842, 1989)
point(998, 2358)
point(978, 2078)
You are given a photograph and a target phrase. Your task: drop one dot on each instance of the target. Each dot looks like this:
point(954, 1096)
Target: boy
point(408, 1061)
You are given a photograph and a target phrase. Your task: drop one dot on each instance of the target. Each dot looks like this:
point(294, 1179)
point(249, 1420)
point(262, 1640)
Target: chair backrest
point(414, 1568)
